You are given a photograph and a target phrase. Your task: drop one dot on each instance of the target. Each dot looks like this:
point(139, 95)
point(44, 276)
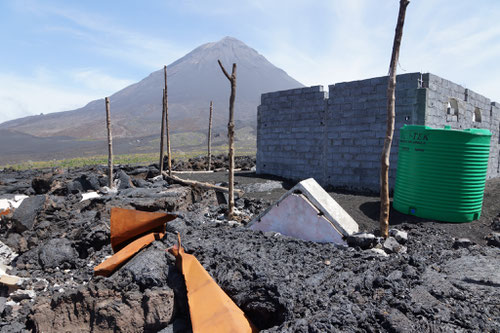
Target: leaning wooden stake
point(230, 133)
point(110, 145)
point(187, 182)
point(391, 98)
point(169, 152)
point(209, 158)
point(162, 135)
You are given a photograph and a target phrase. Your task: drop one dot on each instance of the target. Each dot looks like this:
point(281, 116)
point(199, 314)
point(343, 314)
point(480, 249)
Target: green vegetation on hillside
point(185, 145)
point(133, 159)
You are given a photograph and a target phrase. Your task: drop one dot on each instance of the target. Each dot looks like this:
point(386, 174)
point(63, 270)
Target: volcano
point(193, 81)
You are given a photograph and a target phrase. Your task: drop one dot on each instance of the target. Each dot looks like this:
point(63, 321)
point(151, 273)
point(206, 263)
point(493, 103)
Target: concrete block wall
point(474, 111)
point(494, 165)
point(290, 133)
point(337, 136)
point(356, 126)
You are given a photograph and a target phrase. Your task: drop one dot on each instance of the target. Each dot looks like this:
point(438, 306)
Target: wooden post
point(162, 135)
point(187, 182)
point(110, 145)
point(209, 158)
point(391, 101)
point(230, 133)
point(169, 151)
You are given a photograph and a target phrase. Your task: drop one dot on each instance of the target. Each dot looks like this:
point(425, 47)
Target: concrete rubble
point(90, 195)
point(309, 213)
point(6, 254)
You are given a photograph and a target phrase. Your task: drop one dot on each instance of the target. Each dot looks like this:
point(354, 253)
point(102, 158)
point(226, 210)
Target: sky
point(59, 55)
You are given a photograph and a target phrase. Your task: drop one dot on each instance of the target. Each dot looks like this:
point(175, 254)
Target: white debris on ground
point(12, 203)
point(107, 190)
point(90, 195)
point(6, 254)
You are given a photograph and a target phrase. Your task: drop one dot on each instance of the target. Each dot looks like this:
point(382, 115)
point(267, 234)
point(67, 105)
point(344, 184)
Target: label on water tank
point(414, 137)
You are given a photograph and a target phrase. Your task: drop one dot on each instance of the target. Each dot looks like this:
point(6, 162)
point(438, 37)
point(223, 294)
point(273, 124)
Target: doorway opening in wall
point(452, 107)
point(452, 110)
point(476, 116)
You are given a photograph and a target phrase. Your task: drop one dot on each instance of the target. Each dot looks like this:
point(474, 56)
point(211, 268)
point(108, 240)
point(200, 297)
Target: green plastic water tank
point(441, 173)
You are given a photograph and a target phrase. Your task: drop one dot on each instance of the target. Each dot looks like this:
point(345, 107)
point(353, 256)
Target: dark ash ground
point(282, 284)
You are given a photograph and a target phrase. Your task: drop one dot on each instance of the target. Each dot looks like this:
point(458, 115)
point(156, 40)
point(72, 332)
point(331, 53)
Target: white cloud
point(46, 91)
point(460, 43)
point(94, 80)
point(347, 45)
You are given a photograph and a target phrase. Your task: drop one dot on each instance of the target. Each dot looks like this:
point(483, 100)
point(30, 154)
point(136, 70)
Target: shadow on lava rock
point(372, 210)
point(287, 183)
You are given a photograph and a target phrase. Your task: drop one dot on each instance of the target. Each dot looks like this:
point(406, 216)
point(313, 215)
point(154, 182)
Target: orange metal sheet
point(128, 223)
point(210, 308)
point(108, 266)
point(5, 212)
point(131, 230)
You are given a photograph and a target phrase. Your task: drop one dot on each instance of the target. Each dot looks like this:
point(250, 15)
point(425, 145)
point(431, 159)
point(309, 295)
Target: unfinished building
point(336, 136)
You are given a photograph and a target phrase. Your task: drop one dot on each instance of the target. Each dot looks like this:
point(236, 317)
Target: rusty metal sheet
point(108, 266)
point(131, 230)
point(128, 223)
point(210, 308)
point(5, 212)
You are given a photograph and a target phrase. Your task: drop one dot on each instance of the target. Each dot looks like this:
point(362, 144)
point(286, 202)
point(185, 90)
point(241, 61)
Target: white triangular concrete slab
point(307, 212)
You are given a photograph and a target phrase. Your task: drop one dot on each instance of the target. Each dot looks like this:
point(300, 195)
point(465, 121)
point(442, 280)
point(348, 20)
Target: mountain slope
point(193, 81)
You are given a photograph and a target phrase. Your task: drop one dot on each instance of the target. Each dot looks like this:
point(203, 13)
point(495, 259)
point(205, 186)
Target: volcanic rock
point(13, 327)
point(6, 254)
point(282, 284)
point(57, 253)
point(400, 236)
point(179, 325)
point(363, 240)
point(391, 245)
point(42, 185)
point(495, 225)
point(462, 243)
point(124, 180)
point(20, 294)
point(378, 252)
point(140, 183)
point(494, 239)
point(86, 182)
point(153, 172)
point(16, 242)
point(24, 216)
point(147, 269)
point(3, 300)
point(97, 308)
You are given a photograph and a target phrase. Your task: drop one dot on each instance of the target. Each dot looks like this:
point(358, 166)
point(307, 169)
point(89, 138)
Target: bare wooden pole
point(187, 182)
point(391, 114)
point(209, 158)
point(230, 134)
point(162, 135)
point(169, 151)
point(110, 145)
